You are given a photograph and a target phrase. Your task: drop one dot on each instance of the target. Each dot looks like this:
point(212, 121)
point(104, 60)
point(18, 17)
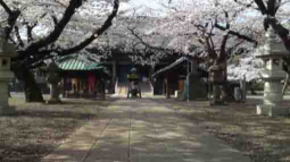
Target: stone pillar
point(167, 88)
point(4, 106)
point(194, 87)
point(7, 51)
point(54, 79)
point(272, 54)
point(243, 87)
point(114, 76)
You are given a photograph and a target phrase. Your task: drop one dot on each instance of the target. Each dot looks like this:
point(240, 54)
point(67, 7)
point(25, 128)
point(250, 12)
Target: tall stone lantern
point(272, 53)
point(7, 51)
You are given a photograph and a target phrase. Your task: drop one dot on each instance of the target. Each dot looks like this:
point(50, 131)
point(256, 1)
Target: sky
point(154, 8)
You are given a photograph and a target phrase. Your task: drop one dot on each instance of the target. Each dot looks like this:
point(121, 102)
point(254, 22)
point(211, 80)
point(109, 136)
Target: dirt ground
point(37, 129)
point(262, 138)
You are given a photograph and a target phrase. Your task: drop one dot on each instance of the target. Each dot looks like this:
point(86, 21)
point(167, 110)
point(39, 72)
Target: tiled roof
point(77, 64)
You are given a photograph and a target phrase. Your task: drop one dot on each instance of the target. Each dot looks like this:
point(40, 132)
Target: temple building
point(182, 78)
point(82, 77)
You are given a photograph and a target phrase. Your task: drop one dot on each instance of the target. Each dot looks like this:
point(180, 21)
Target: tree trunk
point(228, 92)
point(31, 88)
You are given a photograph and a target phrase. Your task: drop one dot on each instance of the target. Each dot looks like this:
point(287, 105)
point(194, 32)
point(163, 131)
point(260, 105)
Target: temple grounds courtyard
point(152, 129)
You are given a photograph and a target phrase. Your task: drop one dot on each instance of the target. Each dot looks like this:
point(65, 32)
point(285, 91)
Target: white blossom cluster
point(247, 67)
point(168, 24)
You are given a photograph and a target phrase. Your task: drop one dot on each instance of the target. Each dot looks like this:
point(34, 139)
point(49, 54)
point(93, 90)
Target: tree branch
point(147, 44)
point(21, 43)
point(280, 30)
point(29, 29)
point(12, 17)
point(224, 44)
point(44, 54)
point(54, 35)
point(272, 8)
point(261, 6)
point(237, 34)
point(229, 51)
point(247, 5)
point(95, 34)
point(6, 8)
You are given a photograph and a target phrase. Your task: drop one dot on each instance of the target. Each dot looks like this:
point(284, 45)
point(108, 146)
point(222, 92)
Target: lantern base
point(54, 101)
point(272, 110)
point(7, 110)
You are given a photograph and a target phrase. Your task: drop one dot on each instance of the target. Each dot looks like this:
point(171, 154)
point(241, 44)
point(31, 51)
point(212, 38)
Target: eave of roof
point(170, 67)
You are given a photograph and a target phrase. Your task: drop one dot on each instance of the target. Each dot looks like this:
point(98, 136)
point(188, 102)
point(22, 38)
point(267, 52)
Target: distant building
point(82, 77)
point(172, 78)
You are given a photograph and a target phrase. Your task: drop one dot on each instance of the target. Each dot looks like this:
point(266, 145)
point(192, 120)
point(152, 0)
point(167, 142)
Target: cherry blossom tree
point(44, 29)
point(273, 13)
point(213, 28)
point(208, 30)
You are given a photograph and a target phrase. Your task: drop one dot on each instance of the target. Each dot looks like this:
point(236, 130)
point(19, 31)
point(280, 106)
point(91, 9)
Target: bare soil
point(262, 138)
point(37, 129)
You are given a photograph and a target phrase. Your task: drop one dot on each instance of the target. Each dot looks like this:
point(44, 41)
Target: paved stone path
point(142, 131)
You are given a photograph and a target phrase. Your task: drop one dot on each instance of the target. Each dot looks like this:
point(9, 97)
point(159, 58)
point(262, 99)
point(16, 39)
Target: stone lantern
point(7, 51)
point(272, 53)
point(53, 79)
